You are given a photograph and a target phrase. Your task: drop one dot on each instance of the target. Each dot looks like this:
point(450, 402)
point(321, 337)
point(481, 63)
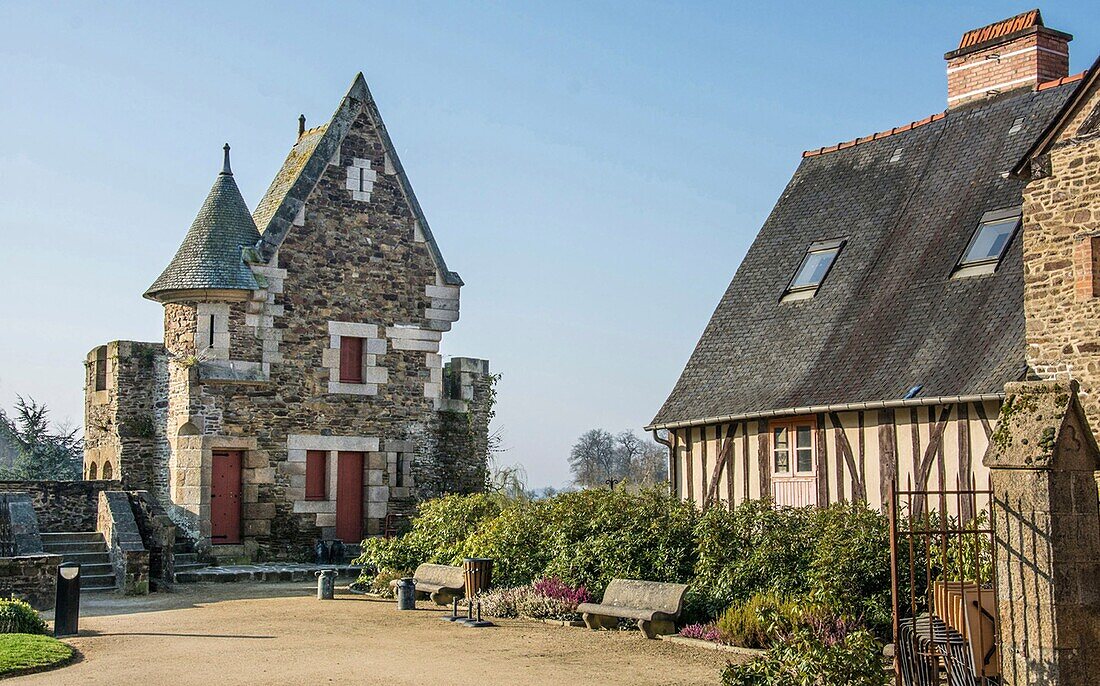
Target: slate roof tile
point(210, 255)
point(887, 317)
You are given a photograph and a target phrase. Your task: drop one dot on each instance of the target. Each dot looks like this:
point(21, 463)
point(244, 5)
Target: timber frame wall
point(856, 453)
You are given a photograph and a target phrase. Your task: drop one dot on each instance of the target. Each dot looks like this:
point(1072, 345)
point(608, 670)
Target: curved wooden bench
point(441, 583)
point(654, 605)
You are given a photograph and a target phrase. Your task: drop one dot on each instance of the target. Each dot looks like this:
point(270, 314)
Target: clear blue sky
point(594, 171)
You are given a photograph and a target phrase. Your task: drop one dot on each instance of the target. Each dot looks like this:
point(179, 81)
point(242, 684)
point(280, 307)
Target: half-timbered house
point(867, 335)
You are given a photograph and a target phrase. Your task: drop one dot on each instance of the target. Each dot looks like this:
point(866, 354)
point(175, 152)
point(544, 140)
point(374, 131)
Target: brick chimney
point(1019, 52)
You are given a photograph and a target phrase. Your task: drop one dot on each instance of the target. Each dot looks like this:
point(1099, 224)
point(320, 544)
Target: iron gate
point(942, 584)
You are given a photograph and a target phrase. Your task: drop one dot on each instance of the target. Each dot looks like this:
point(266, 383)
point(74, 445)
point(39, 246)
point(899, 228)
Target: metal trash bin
point(406, 593)
point(326, 584)
point(478, 573)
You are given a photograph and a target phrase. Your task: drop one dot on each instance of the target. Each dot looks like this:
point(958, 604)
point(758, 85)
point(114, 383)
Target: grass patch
point(30, 652)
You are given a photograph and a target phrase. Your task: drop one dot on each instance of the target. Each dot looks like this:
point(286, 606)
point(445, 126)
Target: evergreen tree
point(42, 453)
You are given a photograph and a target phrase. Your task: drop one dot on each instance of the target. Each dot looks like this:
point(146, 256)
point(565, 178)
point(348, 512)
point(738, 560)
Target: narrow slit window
point(813, 269)
point(351, 359)
point(100, 368)
point(316, 475)
point(781, 454)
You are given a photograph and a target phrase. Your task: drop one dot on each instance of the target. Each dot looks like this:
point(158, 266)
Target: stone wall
point(158, 534)
point(32, 578)
point(259, 371)
point(119, 420)
point(128, 555)
point(63, 505)
point(458, 461)
point(1061, 225)
point(1046, 514)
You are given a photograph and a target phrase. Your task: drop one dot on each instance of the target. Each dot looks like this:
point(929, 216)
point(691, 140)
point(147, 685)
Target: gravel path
point(281, 634)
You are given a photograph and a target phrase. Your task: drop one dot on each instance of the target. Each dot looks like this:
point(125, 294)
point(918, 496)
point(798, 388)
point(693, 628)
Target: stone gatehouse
point(299, 393)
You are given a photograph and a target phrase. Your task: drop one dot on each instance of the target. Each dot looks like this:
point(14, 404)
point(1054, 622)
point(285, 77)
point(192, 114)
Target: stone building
point(869, 332)
point(299, 393)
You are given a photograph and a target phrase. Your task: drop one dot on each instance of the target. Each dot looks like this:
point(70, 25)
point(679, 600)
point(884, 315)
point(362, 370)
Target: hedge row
point(837, 555)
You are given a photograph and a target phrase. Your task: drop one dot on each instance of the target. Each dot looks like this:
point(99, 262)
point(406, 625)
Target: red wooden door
point(349, 497)
point(225, 497)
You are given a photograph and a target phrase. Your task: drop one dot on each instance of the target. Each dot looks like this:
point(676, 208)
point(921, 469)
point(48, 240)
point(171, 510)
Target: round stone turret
point(209, 264)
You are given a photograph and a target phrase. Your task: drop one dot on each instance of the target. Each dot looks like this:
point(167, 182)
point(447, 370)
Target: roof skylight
point(812, 271)
point(987, 245)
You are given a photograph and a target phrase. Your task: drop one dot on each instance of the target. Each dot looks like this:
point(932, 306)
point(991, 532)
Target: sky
point(595, 171)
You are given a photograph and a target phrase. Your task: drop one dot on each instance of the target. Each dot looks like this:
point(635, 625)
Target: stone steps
point(89, 550)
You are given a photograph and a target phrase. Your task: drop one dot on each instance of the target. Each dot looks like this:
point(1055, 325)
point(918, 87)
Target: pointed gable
point(210, 257)
point(1069, 113)
point(306, 163)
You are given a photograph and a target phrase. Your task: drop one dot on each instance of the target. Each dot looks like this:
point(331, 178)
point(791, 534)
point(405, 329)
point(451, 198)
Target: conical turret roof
point(210, 256)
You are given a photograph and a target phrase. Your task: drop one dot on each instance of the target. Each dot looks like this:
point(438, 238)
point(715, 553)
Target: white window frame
point(804, 292)
point(987, 265)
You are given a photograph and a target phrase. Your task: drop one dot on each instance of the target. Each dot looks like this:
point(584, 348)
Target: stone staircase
point(184, 557)
point(89, 550)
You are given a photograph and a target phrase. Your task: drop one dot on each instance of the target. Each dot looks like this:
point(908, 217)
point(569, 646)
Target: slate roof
point(887, 317)
point(306, 163)
point(292, 167)
point(210, 255)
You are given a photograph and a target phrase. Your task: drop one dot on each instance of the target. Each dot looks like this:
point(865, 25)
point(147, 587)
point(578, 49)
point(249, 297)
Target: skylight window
point(987, 245)
point(812, 271)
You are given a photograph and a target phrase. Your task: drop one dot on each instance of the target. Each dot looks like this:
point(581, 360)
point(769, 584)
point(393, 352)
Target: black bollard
point(453, 617)
point(66, 616)
point(479, 622)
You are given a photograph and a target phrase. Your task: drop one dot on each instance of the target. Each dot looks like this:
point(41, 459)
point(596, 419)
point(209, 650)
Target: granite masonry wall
point(1062, 259)
point(32, 578)
point(119, 419)
point(259, 372)
point(63, 505)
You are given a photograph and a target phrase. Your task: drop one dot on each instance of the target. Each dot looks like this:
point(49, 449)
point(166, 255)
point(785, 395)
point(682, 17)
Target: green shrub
point(808, 659)
point(601, 534)
point(438, 534)
point(754, 548)
point(758, 621)
point(849, 568)
point(379, 584)
point(17, 617)
point(517, 541)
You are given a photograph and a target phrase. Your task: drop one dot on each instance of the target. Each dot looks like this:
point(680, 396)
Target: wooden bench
point(655, 606)
point(441, 583)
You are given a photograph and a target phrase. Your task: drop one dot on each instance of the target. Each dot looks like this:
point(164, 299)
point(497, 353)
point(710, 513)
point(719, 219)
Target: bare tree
point(598, 457)
point(593, 457)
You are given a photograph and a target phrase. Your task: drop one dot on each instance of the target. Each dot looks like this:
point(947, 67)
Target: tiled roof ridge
point(927, 120)
point(998, 29)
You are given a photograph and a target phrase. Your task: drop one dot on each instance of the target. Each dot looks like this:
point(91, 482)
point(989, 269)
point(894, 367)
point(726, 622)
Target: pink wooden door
point(225, 497)
point(349, 497)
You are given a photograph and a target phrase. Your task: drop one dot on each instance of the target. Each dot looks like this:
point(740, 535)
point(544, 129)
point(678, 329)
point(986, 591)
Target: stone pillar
point(1046, 515)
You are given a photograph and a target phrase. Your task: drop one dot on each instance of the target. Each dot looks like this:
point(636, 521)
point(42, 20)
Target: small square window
point(812, 271)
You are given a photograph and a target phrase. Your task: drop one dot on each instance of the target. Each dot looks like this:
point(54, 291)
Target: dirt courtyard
point(281, 634)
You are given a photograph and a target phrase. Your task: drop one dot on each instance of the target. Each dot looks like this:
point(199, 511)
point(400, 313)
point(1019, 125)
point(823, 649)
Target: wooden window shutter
point(351, 359)
point(316, 474)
